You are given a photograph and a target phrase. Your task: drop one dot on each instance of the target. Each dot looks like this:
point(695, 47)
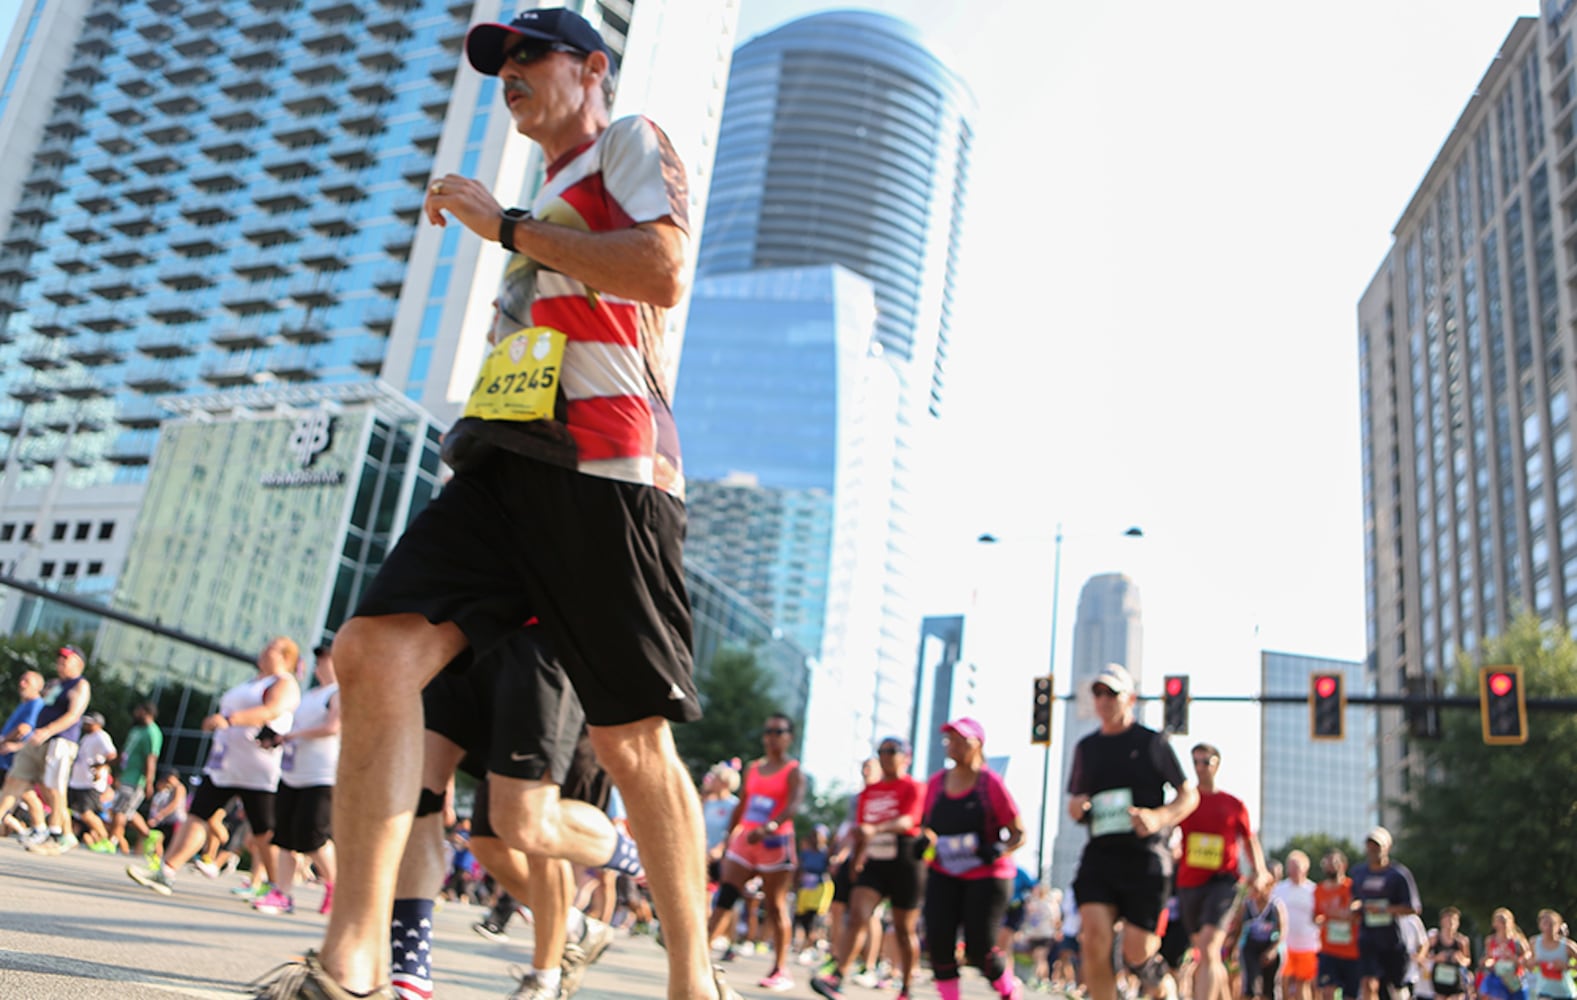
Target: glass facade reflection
point(724, 619)
point(1309, 786)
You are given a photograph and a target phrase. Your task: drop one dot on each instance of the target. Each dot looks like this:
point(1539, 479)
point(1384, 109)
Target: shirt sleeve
point(1002, 805)
point(643, 175)
point(912, 802)
point(1166, 762)
point(1076, 778)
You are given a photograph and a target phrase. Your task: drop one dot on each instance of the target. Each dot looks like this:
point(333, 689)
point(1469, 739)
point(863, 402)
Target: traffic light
point(1327, 707)
point(1040, 713)
point(1174, 715)
point(1503, 706)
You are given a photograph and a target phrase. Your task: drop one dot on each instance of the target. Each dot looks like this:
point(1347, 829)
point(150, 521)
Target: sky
point(1173, 211)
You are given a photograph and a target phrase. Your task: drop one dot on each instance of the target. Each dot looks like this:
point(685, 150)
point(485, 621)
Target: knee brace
point(1150, 972)
point(727, 896)
point(430, 802)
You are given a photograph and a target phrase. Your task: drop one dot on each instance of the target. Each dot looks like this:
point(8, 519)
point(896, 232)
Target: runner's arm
point(76, 704)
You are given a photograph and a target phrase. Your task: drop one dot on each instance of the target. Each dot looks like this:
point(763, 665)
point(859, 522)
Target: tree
point(1490, 826)
point(736, 699)
point(1316, 846)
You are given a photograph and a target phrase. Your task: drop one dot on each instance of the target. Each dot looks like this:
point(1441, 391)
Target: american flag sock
point(626, 858)
point(411, 948)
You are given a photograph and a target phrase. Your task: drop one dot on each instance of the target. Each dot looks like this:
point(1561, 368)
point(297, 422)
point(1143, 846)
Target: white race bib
point(1109, 812)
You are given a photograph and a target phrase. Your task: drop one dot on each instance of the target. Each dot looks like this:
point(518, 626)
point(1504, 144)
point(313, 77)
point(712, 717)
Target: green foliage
point(736, 699)
point(1316, 846)
point(1497, 826)
point(829, 806)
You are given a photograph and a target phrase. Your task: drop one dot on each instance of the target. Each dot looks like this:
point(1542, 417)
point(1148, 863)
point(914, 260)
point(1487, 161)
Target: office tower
point(1311, 786)
point(844, 141)
point(1465, 343)
point(201, 196)
point(1107, 629)
point(945, 688)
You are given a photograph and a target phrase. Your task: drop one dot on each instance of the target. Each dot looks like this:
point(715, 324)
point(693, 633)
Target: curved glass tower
point(846, 140)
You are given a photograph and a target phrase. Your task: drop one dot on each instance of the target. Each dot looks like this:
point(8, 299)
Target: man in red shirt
point(1207, 878)
point(1333, 913)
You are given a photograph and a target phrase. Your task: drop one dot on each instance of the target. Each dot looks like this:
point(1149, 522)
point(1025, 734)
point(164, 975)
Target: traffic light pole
point(1378, 700)
point(1051, 670)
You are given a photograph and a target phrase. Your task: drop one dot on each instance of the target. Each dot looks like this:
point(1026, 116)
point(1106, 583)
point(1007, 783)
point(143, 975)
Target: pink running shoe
point(328, 897)
point(274, 902)
point(777, 981)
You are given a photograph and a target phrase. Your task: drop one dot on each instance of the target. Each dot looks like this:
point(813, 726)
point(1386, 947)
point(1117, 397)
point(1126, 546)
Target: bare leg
point(1095, 945)
point(775, 887)
point(665, 820)
point(383, 663)
point(531, 817)
point(905, 923)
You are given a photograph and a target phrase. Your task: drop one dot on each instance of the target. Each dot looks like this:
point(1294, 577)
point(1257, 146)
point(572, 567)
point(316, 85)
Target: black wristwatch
point(506, 226)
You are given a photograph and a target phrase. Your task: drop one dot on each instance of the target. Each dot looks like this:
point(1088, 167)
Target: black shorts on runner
point(1337, 971)
point(1124, 880)
point(1388, 965)
point(1175, 944)
point(1208, 905)
point(597, 561)
point(842, 884)
point(210, 798)
point(513, 712)
point(83, 800)
point(901, 881)
point(586, 782)
point(304, 817)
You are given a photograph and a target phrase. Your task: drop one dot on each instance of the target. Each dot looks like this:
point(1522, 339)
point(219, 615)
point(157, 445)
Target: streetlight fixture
point(986, 538)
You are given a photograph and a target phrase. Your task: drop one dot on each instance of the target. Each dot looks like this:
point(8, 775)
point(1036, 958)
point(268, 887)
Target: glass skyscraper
point(1466, 347)
point(845, 141)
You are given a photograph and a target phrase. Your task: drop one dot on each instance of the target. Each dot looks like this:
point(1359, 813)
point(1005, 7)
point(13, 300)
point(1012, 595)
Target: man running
point(138, 766)
point(1302, 935)
point(1383, 891)
point(1338, 923)
point(566, 503)
point(1207, 879)
point(13, 734)
point(1118, 787)
point(49, 751)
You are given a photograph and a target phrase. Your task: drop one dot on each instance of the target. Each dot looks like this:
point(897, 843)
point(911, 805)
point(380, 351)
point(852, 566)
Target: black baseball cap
point(484, 44)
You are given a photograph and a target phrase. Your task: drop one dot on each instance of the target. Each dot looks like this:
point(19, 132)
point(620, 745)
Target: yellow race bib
point(520, 376)
point(1205, 850)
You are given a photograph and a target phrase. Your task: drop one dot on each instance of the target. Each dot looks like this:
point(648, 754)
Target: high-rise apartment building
point(1309, 786)
point(1107, 629)
point(201, 196)
point(845, 141)
point(1466, 349)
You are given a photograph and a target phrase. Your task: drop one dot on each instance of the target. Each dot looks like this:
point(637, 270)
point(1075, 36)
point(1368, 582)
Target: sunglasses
point(777, 732)
point(887, 750)
point(1104, 692)
point(532, 52)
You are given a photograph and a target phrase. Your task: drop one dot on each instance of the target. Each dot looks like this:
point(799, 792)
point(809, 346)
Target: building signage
point(311, 436)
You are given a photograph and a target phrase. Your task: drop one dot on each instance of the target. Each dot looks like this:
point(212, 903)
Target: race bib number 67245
point(520, 376)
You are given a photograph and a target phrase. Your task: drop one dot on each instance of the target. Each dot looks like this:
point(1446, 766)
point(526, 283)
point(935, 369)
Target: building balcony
point(94, 350)
point(352, 155)
point(39, 451)
point(298, 364)
point(44, 354)
point(81, 385)
point(30, 390)
point(369, 359)
point(53, 326)
point(10, 417)
point(170, 342)
point(173, 309)
point(114, 287)
point(235, 338)
point(306, 330)
point(140, 413)
point(326, 256)
point(15, 266)
point(315, 290)
point(155, 376)
point(231, 370)
point(56, 416)
point(106, 319)
point(133, 447)
point(379, 319)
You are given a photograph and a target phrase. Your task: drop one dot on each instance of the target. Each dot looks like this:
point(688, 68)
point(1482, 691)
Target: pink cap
point(966, 727)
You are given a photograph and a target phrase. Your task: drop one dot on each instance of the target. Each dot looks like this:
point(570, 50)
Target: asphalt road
point(74, 927)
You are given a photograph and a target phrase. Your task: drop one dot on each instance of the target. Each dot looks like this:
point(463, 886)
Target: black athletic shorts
point(513, 712)
point(210, 798)
point(842, 883)
point(597, 561)
point(1126, 880)
point(1208, 905)
point(1175, 944)
point(586, 782)
point(304, 817)
point(901, 881)
point(1337, 971)
point(1388, 965)
point(83, 800)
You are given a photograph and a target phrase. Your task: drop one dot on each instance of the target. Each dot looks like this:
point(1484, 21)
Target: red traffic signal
point(1327, 707)
point(1174, 714)
point(1503, 706)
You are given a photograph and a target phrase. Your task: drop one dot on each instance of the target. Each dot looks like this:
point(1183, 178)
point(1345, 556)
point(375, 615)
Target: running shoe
point(150, 843)
point(328, 898)
point(867, 979)
point(49, 846)
point(206, 867)
point(777, 981)
point(595, 939)
point(724, 991)
point(810, 956)
point(37, 835)
point(105, 846)
point(248, 890)
point(729, 954)
point(274, 902)
point(532, 988)
point(158, 879)
point(573, 969)
point(65, 842)
point(828, 987)
point(305, 979)
point(491, 931)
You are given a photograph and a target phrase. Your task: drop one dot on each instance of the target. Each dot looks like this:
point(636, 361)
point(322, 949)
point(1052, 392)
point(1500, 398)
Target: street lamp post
point(1051, 669)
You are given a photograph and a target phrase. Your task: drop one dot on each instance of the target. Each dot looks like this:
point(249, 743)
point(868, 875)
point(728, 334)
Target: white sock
point(575, 924)
point(549, 978)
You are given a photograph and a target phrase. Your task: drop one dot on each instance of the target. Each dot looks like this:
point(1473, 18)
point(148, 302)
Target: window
point(106, 530)
point(70, 570)
point(27, 532)
point(7, 531)
point(47, 570)
point(84, 529)
point(95, 569)
point(58, 533)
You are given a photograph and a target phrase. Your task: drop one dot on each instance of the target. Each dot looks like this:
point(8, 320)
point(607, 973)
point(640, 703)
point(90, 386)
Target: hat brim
point(484, 45)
